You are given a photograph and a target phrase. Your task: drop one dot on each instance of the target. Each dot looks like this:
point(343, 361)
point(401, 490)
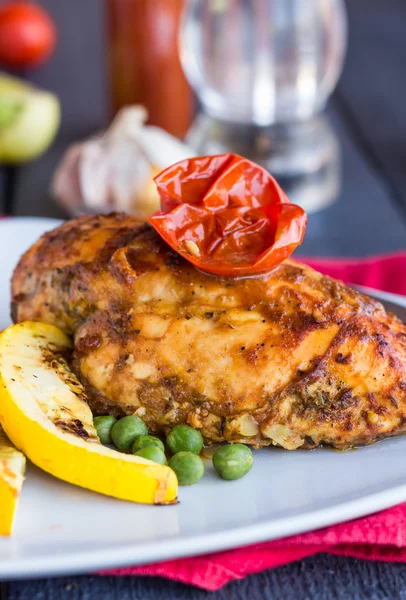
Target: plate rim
point(138, 555)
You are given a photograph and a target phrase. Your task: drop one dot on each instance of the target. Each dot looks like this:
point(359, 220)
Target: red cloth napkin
point(381, 536)
point(386, 272)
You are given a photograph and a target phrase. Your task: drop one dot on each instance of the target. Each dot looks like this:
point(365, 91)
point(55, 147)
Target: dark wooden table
point(368, 112)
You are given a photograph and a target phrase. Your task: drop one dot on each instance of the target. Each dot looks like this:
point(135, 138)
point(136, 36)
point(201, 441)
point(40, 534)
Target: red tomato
point(226, 215)
point(27, 34)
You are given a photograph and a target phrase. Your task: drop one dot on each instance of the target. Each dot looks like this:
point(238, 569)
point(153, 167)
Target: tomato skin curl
point(227, 216)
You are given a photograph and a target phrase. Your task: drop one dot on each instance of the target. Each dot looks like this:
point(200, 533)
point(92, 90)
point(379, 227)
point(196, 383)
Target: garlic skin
point(115, 170)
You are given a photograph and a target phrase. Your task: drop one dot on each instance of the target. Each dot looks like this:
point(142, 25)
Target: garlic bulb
point(115, 170)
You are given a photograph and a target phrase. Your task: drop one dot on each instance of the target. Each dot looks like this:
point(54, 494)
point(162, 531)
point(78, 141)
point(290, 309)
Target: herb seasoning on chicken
point(290, 358)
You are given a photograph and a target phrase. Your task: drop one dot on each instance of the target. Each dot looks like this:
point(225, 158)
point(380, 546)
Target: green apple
point(29, 120)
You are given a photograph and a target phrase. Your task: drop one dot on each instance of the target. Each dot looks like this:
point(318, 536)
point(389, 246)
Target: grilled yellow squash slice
point(44, 412)
point(12, 468)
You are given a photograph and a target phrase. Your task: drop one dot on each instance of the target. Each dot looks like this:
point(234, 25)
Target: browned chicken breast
point(292, 358)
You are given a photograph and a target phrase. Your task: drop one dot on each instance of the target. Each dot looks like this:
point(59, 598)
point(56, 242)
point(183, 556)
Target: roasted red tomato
point(226, 215)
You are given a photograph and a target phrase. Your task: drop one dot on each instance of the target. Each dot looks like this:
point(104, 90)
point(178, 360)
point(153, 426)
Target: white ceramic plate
point(61, 529)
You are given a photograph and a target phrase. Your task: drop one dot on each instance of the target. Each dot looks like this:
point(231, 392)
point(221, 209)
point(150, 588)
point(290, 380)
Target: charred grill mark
point(394, 401)
point(14, 311)
point(21, 297)
point(345, 399)
point(141, 260)
point(121, 362)
point(344, 360)
point(223, 423)
point(380, 339)
point(380, 409)
point(303, 323)
point(76, 427)
point(348, 425)
point(67, 280)
point(116, 324)
point(119, 239)
point(88, 343)
point(172, 259)
point(121, 324)
point(170, 382)
point(59, 361)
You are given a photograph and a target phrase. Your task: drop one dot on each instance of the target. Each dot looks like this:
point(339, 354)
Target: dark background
point(368, 111)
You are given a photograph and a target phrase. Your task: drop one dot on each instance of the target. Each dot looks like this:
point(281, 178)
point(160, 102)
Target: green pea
point(233, 461)
point(147, 440)
point(127, 430)
point(103, 426)
point(183, 438)
point(188, 467)
point(153, 453)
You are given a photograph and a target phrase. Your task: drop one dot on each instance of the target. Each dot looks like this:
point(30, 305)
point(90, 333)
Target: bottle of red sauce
point(144, 64)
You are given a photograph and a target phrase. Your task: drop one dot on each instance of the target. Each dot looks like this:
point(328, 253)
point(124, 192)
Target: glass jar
point(263, 71)
point(263, 62)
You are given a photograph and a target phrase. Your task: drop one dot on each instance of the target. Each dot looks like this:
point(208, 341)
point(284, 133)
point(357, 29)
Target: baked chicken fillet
point(293, 358)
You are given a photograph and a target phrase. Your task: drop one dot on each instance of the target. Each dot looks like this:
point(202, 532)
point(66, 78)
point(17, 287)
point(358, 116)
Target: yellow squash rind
point(40, 424)
point(12, 469)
